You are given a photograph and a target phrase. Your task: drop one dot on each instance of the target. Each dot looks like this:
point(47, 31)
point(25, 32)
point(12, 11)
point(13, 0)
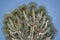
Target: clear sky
point(53, 8)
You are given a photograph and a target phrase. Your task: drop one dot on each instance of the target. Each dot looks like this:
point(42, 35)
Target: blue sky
point(53, 8)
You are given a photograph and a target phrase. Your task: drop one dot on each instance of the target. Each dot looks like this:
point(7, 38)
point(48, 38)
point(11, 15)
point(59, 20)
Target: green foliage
point(28, 23)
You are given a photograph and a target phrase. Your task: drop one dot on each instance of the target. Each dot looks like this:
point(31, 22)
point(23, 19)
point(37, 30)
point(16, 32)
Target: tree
point(28, 23)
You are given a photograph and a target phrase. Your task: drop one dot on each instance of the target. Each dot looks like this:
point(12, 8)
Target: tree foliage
point(28, 23)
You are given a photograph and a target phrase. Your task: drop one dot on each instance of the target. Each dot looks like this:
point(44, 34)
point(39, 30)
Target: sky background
point(52, 6)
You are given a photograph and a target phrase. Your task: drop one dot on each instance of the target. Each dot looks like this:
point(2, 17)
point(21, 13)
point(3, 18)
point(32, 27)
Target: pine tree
point(28, 22)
